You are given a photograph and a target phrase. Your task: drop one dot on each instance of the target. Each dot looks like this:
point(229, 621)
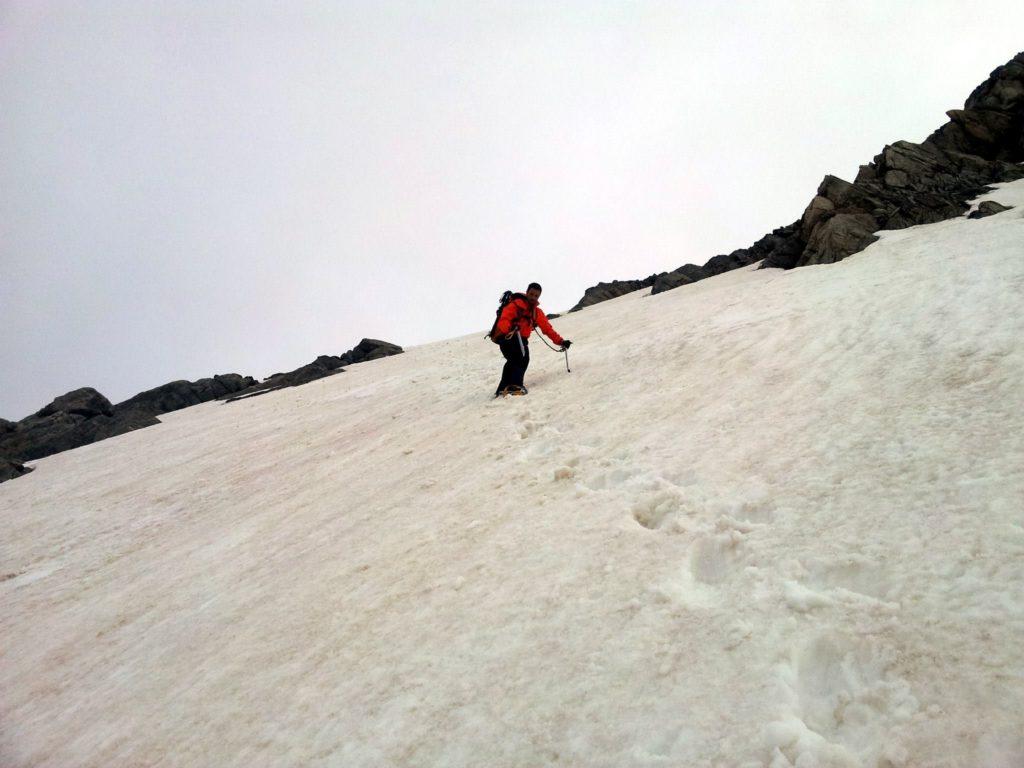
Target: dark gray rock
point(83, 402)
point(727, 262)
point(220, 385)
point(54, 422)
point(783, 246)
point(780, 248)
point(325, 365)
point(988, 208)
point(85, 416)
point(163, 399)
point(820, 209)
point(686, 274)
point(39, 436)
point(991, 124)
point(369, 349)
point(181, 394)
point(12, 469)
point(838, 237)
point(905, 185)
point(604, 291)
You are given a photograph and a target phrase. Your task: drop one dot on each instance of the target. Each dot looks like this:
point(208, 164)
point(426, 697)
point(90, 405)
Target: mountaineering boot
point(512, 389)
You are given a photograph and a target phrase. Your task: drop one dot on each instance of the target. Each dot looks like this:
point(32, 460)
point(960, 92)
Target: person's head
point(533, 292)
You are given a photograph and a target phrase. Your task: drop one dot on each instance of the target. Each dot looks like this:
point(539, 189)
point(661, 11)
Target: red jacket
point(520, 315)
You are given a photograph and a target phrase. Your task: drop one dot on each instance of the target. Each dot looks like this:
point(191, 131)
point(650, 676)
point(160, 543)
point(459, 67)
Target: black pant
point(516, 361)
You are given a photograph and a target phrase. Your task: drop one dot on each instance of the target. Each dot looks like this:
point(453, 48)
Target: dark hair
point(531, 286)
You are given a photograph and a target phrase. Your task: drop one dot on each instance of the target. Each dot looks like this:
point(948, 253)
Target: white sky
point(189, 189)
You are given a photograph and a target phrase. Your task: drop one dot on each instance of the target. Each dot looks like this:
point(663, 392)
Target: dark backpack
point(506, 297)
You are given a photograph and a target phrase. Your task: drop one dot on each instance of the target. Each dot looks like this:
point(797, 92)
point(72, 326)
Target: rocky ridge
point(324, 365)
point(904, 185)
point(604, 291)
point(85, 416)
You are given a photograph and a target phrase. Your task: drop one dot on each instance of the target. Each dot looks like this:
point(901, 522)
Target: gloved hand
point(566, 343)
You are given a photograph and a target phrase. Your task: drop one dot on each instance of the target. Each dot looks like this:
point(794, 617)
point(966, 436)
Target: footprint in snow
point(526, 429)
point(842, 690)
point(613, 478)
point(713, 558)
point(847, 579)
point(854, 573)
point(665, 510)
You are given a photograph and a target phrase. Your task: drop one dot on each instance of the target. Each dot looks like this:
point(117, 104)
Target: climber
point(516, 321)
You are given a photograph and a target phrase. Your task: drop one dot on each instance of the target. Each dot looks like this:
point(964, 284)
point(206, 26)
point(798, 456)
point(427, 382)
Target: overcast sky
point(189, 188)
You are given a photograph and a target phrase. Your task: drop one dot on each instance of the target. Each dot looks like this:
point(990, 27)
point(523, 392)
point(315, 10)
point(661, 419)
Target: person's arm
point(508, 316)
point(545, 325)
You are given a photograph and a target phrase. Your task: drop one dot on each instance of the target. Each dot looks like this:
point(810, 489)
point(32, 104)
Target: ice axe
point(564, 350)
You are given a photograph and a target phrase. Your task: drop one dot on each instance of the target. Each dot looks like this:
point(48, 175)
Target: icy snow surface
point(770, 519)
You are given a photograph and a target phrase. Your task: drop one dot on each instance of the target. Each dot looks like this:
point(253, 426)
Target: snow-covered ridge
point(770, 519)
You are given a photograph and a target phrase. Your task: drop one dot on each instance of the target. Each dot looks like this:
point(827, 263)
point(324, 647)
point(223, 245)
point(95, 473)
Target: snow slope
point(770, 519)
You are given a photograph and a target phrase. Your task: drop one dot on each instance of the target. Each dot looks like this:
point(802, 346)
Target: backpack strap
point(526, 314)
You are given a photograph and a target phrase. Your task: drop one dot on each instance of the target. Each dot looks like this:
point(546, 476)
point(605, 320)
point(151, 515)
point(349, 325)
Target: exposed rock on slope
point(80, 402)
point(604, 291)
point(12, 469)
point(906, 184)
point(369, 349)
point(324, 365)
point(79, 417)
point(182, 394)
point(84, 416)
point(988, 208)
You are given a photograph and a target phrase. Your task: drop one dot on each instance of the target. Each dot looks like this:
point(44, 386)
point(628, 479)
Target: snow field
point(770, 519)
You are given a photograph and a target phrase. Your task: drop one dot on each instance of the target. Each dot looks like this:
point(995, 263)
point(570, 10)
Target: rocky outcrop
point(369, 349)
point(182, 394)
point(991, 124)
point(77, 418)
point(906, 184)
point(838, 236)
point(688, 273)
point(604, 291)
point(783, 242)
point(80, 402)
point(84, 416)
point(325, 365)
point(12, 469)
point(988, 208)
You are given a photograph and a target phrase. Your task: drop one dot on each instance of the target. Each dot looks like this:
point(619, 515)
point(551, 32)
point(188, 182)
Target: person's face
point(533, 295)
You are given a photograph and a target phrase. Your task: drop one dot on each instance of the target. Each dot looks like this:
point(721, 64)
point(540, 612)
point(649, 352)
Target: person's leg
point(522, 361)
point(510, 350)
point(517, 358)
